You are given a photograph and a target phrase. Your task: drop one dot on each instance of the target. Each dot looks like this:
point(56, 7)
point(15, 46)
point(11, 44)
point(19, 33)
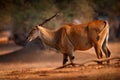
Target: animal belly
point(84, 45)
point(80, 40)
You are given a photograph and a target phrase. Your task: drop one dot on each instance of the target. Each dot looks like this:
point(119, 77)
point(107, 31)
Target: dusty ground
point(30, 63)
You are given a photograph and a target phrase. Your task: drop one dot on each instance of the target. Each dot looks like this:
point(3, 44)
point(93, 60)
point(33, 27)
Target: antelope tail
point(104, 34)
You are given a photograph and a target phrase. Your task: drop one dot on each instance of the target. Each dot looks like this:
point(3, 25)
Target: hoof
point(108, 62)
point(100, 63)
point(73, 64)
point(64, 62)
point(73, 57)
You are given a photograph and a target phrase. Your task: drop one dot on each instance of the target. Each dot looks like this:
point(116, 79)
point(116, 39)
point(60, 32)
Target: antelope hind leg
point(106, 50)
point(98, 52)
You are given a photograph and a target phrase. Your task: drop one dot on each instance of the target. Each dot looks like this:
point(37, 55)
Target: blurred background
point(17, 17)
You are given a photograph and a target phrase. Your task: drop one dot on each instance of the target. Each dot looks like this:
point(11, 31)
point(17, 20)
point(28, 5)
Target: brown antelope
point(72, 37)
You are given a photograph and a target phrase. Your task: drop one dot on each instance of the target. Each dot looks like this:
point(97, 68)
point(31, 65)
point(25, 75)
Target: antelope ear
point(37, 27)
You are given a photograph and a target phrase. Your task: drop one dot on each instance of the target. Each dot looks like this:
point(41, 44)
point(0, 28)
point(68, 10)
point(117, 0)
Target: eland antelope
point(71, 37)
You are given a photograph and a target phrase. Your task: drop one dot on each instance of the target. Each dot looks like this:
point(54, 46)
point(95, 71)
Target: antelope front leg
point(65, 58)
point(72, 57)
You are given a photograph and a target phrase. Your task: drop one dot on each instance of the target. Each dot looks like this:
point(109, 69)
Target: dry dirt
point(31, 63)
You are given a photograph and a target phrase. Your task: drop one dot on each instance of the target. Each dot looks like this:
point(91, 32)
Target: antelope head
point(34, 33)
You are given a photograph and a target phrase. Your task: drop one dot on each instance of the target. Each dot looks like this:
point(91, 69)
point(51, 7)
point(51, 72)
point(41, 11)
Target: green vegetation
point(20, 16)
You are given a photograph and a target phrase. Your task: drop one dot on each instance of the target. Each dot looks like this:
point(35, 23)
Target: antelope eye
point(34, 29)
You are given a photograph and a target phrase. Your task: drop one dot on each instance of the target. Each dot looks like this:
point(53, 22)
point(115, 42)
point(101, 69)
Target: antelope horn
point(48, 19)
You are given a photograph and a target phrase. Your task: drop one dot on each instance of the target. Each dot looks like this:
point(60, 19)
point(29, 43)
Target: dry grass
point(42, 65)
